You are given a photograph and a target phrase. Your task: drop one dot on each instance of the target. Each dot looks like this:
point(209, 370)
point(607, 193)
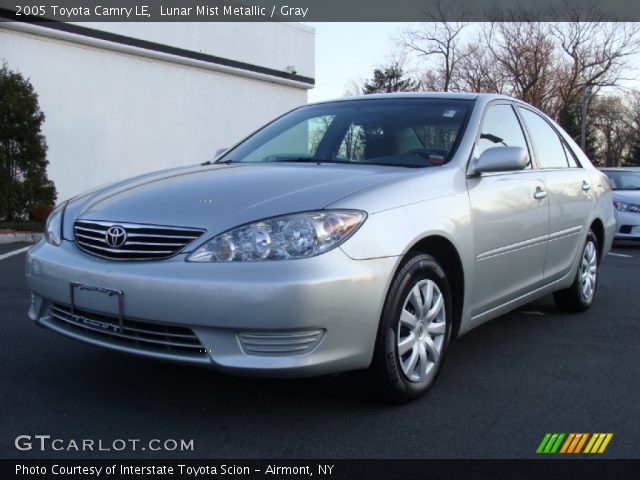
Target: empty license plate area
point(106, 303)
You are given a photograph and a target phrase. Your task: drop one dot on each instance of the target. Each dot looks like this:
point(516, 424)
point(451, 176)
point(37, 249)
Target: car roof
point(441, 95)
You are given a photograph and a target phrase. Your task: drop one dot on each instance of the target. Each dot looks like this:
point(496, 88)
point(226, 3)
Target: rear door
point(510, 215)
point(570, 194)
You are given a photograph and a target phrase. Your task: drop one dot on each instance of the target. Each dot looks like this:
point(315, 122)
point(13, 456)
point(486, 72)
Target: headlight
point(299, 235)
point(627, 207)
point(53, 227)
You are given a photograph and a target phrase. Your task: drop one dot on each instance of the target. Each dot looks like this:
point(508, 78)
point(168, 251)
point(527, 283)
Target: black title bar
point(317, 11)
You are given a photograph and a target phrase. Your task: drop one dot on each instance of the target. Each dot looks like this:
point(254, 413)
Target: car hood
point(628, 196)
point(219, 197)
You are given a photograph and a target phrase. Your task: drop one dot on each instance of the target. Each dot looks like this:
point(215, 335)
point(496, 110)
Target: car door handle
point(539, 193)
point(585, 186)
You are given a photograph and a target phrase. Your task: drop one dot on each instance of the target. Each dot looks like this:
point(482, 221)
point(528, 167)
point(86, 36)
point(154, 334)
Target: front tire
point(415, 329)
point(580, 295)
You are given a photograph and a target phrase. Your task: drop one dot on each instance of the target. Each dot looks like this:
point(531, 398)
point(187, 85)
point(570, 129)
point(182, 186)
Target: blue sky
point(348, 51)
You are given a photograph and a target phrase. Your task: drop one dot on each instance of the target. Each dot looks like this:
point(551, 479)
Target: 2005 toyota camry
point(353, 234)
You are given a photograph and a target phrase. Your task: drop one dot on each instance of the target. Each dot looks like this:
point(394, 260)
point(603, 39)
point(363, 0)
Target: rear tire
point(415, 329)
point(580, 295)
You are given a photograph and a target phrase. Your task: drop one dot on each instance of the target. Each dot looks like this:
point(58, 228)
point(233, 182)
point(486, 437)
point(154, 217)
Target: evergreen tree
point(389, 79)
point(633, 159)
point(569, 118)
point(23, 162)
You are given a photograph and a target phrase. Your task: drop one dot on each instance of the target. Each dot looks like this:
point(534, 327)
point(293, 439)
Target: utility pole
point(586, 93)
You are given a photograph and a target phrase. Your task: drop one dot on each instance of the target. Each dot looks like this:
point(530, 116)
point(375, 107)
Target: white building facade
point(122, 99)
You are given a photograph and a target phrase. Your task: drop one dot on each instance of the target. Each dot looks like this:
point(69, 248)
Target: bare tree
point(429, 81)
point(478, 72)
point(524, 58)
point(633, 151)
point(438, 41)
point(353, 88)
point(545, 64)
point(592, 53)
point(610, 116)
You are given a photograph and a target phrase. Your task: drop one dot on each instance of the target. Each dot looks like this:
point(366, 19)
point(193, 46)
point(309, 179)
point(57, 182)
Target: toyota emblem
point(116, 236)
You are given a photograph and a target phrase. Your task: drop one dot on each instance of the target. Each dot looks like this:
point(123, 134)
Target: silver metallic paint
point(510, 251)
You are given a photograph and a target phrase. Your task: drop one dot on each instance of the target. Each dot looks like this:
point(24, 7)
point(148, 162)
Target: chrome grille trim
point(289, 343)
point(144, 242)
point(137, 336)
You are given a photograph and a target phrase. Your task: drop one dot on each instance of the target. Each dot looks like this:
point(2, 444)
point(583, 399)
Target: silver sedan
point(364, 233)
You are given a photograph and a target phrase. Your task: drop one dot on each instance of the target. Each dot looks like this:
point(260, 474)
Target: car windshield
point(404, 132)
point(623, 179)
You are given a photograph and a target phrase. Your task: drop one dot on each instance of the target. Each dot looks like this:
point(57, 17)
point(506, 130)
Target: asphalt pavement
point(503, 386)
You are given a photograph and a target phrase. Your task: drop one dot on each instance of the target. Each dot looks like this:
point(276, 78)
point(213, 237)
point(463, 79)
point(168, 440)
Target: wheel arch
point(597, 227)
point(444, 251)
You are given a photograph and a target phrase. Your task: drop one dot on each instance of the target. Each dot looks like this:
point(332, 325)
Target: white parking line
point(14, 252)
point(620, 255)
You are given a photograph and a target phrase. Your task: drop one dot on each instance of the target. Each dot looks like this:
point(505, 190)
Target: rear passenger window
point(501, 128)
point(550, 151)
point(571, 157)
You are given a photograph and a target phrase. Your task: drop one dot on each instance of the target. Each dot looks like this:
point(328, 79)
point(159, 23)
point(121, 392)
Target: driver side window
point(501, 128)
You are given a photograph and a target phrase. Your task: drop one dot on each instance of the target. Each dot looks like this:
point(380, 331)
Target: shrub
point(23, 149)
point(38, 212)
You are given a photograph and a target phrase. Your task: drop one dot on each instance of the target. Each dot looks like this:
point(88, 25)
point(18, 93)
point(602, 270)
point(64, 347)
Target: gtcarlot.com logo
point(45, 443)
point(573, 443)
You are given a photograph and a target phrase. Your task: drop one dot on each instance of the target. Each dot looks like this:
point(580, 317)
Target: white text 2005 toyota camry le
point(353, 234)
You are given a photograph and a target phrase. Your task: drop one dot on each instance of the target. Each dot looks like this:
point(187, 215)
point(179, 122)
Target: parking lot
point(504, 386)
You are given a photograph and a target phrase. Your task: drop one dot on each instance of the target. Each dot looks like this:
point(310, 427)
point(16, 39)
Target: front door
point(510, 214)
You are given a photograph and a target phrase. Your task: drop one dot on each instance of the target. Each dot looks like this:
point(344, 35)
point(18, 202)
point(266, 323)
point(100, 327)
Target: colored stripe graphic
point(556, 445)
point(577, 438)
point(581, 443)
point(604, 445)
point(567, 443)
point(543, 443)
point(574, 443)
point(594, 437)
point(598, 443)
point(550, 443)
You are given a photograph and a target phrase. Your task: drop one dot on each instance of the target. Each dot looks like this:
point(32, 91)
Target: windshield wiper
point(304, 160)
point(213, 162)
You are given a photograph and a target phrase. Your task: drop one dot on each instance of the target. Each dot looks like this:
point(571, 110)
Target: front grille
point(136, 335)
point(296, 342)
point(141, 242)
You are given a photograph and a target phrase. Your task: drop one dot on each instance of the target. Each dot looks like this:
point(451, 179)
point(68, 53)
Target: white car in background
point(625, 183)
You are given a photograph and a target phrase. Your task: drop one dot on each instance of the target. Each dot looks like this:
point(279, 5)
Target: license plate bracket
point(75, 288)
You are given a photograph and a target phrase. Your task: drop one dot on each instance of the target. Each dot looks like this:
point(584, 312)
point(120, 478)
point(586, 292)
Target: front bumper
point(330, 302)
point(627, 225)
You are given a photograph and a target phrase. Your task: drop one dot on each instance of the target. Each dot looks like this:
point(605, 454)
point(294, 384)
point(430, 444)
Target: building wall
point(113, 113)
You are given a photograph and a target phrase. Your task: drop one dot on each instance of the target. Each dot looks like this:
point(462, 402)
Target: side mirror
point(500, 159)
